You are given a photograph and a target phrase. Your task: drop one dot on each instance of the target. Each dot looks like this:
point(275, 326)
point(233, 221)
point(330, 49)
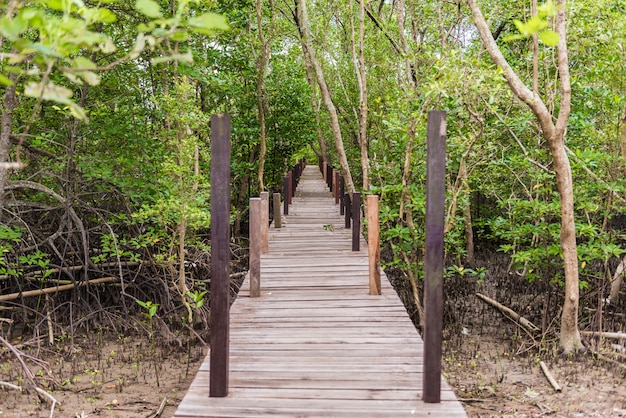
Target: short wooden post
point(329, 177)
point(320, 163)
point(433, 256)
point(337, 187)
point(373, 243)
point(277, 218)
point(290, 194)
point(286, 195)
point(220, 255)
point(324, 171)
point(294, 183)
point(265, 222)
point(356, 221)
point(342, 201)
point(256, 245)
point(348, 213)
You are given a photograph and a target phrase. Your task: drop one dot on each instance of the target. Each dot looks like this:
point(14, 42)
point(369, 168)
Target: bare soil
point(103, 377)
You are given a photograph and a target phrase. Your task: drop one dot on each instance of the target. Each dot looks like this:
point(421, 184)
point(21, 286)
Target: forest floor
point(490, 363)
point(117, 377)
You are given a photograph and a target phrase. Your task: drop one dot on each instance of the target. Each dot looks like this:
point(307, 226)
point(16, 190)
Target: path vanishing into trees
point(316, 343)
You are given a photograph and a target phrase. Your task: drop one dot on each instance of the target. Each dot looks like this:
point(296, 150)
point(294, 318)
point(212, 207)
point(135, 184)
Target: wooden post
point(356, 221)
point(256, 245)
point(324, 171)
point(286, 195)
point(342, 201)
point(320, 163)
point(329, 177)
point(277, 219)
point(220, 255)
point(433, 257)
point(290, 194)
point(346, 204)
point(373, 243)
point(294, 183)
point(337, 187)
point(265, 222)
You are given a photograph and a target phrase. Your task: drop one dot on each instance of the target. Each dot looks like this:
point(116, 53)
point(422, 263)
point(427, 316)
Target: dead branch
point(615, 335)
point(47, 290)
point(40, 391)
point(551, 379)
point(509, 313)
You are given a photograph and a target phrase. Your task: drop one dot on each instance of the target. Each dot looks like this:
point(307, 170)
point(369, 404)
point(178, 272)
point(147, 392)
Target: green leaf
point(179, 36)
point(12, 28)
point(49, 91)
point(99, 15)
point(549, 37)
point(208, 23)
point(149, 8)
point(5, 80)
point(186, 57)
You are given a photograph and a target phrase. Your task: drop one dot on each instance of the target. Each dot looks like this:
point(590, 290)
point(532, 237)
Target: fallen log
point(511, 314)
point(48, 290)
point(551, 379)
point(615, 335)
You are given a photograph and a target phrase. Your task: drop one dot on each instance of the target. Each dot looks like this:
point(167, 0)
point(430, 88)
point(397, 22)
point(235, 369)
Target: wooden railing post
point(320, 163)
point(294, 183)
point(286, 195)
point(433, 256)
point(324, 171)
point(277, 217)
point(220, 255)
point(265, 222)
point(373, 243)
point(256, 245)
point(356, 221)
point(337, 187)
point(342, 201)
point(290, 194)
point(348, 213)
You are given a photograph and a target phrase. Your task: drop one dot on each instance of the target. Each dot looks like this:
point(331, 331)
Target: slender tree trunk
point(260, 89)
point(6, 128)
point(365, 164)
point(555, 135)
point(622, 134)
point(303, 21)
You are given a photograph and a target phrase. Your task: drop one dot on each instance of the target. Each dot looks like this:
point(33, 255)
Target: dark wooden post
point(329, 177)
point(294, 183)
point(373, 243)
point(356, 221)
point(346, 204)
point(286, 195)
point(320, 162)
point(220, 255)
point(276, 207)
point(256, 245)
point(433, 257)
point(337, 187)
point(342, 201)
point(290, 194)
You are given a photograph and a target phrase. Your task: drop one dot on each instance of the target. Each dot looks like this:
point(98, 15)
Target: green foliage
point(538, 24)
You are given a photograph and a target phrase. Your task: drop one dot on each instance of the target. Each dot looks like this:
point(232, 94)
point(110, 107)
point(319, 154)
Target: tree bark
point(260, 87)
point(303, 22)
point(6, 128)
point(363, 100)
point(554, 134)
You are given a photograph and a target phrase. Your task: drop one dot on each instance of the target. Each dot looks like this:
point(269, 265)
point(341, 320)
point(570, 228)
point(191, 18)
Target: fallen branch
point(551, 379)
point(615, 335)
point(48, 290)
point(514, 316)
point(161, 408)
point(40, 391)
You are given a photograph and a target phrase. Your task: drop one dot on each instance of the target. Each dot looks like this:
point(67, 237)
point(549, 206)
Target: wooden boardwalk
point(316, 343)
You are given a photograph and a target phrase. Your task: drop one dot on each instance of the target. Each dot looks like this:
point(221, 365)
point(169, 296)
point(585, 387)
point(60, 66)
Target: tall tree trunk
point(555, 135)
point(260, 89)
point(303, 23)
point(6, 128)
point(365, 164)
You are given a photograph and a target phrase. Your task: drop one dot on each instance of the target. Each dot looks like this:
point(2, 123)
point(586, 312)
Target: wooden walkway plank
point(316, 343)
